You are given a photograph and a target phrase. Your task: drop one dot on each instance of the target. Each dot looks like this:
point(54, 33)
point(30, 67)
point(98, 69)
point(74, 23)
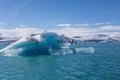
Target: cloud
point(64, 25)
point(2, 24)
point(110, 28)
point(80, 30)
point(22, 25)
point(68, 31)
point(20, 32)
point(86, 24)
point(102, 23)
point(72, 25)
point(83, 25)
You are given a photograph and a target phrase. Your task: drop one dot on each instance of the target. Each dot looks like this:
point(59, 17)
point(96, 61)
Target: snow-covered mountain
point(75, 35)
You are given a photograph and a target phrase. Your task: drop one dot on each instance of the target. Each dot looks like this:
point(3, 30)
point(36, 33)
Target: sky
point(55, 14)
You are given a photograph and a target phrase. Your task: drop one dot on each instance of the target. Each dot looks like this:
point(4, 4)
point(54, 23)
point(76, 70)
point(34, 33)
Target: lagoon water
point(103, 64)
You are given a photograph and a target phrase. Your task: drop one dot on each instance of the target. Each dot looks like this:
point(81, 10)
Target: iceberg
point(36, 45)
point(46, 43)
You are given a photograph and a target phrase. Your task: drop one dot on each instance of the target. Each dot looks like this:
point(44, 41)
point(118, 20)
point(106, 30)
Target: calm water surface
point(104, 64)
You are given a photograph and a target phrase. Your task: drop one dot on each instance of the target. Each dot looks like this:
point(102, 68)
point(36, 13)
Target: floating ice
point(47, 43)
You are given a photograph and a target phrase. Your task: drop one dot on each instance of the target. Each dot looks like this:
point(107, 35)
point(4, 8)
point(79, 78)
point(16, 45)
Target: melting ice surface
point(44, 44)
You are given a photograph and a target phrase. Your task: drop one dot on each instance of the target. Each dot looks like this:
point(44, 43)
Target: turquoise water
point(103, 64)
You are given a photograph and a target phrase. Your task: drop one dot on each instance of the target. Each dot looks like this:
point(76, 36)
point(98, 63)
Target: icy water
point(103, 64)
